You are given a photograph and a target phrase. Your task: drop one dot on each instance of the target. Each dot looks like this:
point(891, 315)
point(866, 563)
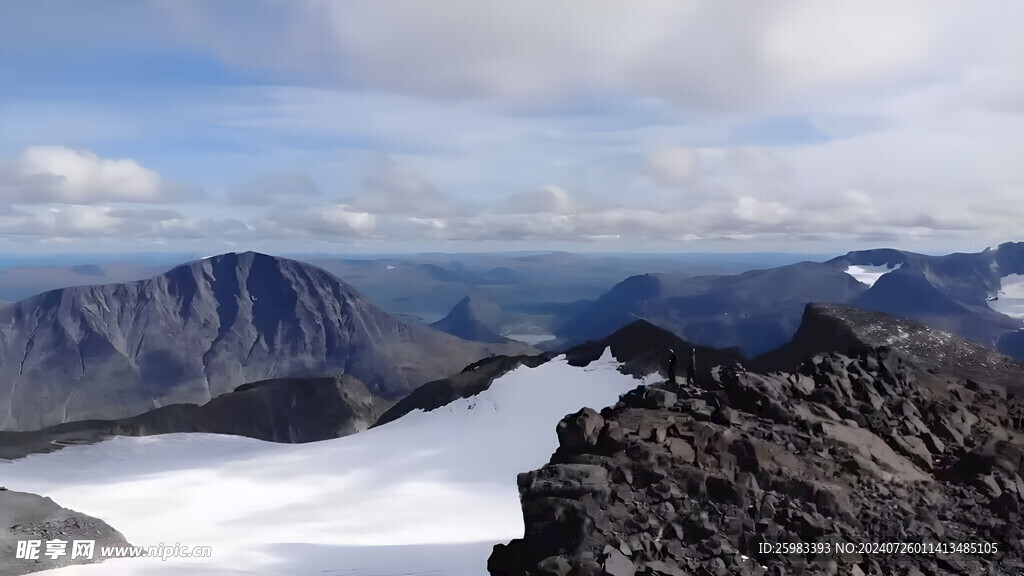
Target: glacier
point(1010, 297)
point(870, 274)
point(431, 492)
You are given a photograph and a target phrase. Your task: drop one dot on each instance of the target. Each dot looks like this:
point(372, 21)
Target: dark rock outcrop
point(643, 348)
point(26, 516)
point(282, 410)
point(203, 329)
point(864, 446)
point(839, 328)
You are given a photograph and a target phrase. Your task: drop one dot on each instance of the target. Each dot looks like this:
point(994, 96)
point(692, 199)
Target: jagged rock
point(658, 398)
point(586, 568)
point(616, 564)
point(693, 491)
point(935, 446)
point(914, 448)
point(565, 481)
point(681, 449)
point(659, 568)
point(554, 566)
point(580, 429)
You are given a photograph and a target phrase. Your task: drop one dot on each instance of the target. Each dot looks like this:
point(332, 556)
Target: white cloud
point(78, 221)
point(583, 119)
point(59, 174)
point(690, 52)
point(333, 221)
point(675, 166)
point(547, 199)
point(753, 210)
point(392, 190)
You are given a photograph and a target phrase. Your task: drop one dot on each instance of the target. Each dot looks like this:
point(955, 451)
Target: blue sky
point(676, 126)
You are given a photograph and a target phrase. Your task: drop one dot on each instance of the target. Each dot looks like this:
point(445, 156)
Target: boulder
point(658, 398)
point(580, 430)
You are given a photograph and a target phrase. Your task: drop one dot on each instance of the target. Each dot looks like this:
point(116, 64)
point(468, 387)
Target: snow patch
point(430, 492)
point(531, 339)
point(1009, 299)
point(870, 274)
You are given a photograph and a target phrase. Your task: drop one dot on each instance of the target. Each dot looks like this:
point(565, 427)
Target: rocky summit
point(862, 462)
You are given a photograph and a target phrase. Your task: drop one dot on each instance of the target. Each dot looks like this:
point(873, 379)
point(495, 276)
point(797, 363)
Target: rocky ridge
point(865, 446)
point(291, 410)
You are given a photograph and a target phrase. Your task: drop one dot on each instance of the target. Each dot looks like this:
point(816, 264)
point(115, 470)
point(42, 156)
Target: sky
point(587, 125)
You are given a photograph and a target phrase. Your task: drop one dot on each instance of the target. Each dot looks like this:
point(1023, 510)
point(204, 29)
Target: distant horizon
point(297, 253)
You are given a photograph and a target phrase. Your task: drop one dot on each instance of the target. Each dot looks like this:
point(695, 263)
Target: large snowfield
point(870, 274)
point(1011, 297)
point(430, 493)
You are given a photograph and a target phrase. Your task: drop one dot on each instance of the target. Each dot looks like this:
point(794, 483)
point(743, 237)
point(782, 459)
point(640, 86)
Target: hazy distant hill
point(473, 318)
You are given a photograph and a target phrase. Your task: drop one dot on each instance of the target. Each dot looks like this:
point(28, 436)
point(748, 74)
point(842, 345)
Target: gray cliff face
point(198, 331)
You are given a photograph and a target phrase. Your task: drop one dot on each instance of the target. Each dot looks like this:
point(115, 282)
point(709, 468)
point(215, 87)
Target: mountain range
point(203, 329)
point(861, 425)
point(760, 310)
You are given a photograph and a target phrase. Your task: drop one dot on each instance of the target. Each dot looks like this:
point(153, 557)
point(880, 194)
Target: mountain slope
point(475, 319)
point(292, 410)
point(756, 310)
point(203, 329)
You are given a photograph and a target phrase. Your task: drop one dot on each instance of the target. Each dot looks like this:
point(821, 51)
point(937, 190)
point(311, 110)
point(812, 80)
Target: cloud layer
point(612, 125)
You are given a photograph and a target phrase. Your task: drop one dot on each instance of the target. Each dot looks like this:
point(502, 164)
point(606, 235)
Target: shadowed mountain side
point(203, 329)
point(284, 410)
point(474, 319)
point(756, 311)
point(836, 328)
